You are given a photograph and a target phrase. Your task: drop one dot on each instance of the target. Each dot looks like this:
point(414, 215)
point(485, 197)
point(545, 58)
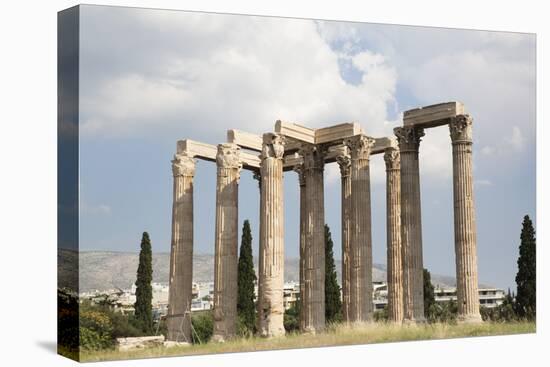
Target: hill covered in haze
point(102, 270)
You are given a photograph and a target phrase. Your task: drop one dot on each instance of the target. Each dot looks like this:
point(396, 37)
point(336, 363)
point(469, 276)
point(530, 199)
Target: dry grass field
point(334, 335)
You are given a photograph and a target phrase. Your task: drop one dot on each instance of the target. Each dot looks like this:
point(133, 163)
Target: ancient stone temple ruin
point(305, 151)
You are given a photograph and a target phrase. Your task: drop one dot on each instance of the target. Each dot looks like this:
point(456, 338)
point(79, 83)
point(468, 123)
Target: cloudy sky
point(151, 77)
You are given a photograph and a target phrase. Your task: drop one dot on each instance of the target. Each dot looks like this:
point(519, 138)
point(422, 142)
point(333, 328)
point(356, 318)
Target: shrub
point(442, 312)
point(203, 325)
point(381, 315)
point(291, 319)
point(67, 321)
point(95, 330)
point(243, 327)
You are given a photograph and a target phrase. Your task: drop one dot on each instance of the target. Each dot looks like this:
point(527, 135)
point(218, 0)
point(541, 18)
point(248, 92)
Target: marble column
point(181, 253)
point(411, 224)
point(299, 169)
point(226, 242)
point(271, 267)
point(464, 220)
point(393, 235)
point(344, 161)
point(361, 306)
point(314, 250)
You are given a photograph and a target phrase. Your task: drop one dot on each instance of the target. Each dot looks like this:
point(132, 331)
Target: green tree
point(291, 318)
point(429, 295)
point(333, 303)
point(245, 282)
point(526, 278)
point(144, 290)
point(506, 311)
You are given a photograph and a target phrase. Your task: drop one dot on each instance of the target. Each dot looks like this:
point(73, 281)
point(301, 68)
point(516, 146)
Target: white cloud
point(493, 73)
point(215, 72)
point(435, 154)
point(517, 140)
point(205, 73)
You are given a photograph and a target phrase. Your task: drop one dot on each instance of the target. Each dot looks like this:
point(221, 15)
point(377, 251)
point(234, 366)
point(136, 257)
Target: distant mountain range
point(103, 270)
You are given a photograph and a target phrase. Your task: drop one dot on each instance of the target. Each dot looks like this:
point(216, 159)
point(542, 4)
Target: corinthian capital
point(344, 162)
point(461, 128)
point(273, 146)
point(392, 158)
point(183, 165)
point(313, 156)
point(360, 146)
point(408, 137)
point(228, 156)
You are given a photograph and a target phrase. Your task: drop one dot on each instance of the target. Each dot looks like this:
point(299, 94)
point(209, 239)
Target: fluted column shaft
point(271, 269)
point(314, 250)
point(464, 220)
point(181, 252)
point(411, 223)
point(226, 242)
point(393, 235)
point(344, 161)
point(303, 228)
point(361, 307)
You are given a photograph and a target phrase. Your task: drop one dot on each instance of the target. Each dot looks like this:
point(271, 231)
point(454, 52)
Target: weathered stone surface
point(393, 235)
point(209, 152)
point(124, 344)
point(382, 144)
point(197, 149)
point(306, 151)
point(271, 268)
point(464, 220)
point(334, 151)
point(361, 307)
point(295, 131)
point(434, 115)
point(226, 242)
point(344, 161)
point(244, 139)
point(411, 223)
point(170, 344)
point(299, 169)
point(337, 132)
point(313, 303)
point(181, 252)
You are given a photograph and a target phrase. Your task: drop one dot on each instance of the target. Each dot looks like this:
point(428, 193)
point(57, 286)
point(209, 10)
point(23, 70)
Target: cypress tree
point(245, 281)
point(429, 294)
point(144, 290)
point(526, 278)
point(333, 303)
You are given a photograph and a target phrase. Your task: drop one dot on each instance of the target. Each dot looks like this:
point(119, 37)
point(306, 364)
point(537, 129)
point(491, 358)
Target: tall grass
point(338, 334)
